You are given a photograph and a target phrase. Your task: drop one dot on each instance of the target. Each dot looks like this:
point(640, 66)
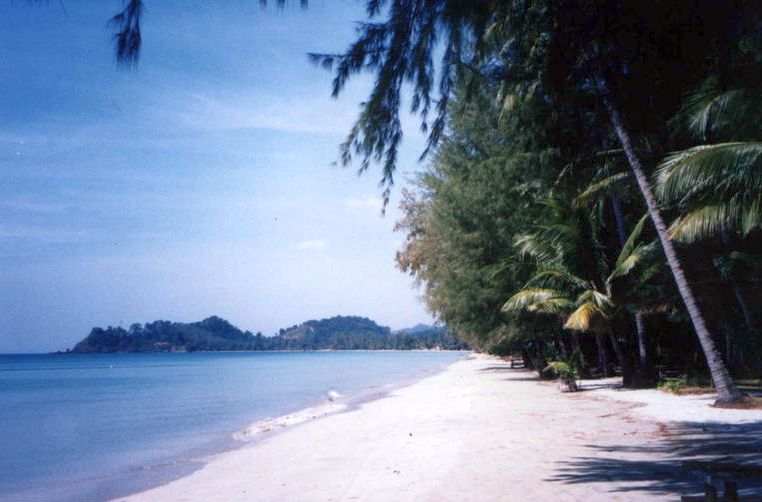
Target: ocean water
point(92, 427)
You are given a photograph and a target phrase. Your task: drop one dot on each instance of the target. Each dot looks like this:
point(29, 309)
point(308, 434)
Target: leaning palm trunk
point(726, 389)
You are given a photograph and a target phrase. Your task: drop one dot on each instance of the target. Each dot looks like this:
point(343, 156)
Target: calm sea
point(92, 427)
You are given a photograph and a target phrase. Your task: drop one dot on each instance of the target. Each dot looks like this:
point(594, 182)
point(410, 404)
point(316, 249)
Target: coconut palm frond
point(632, 240)
point(632, 252)
point(554, 276)
point(601, 300)
point(530, 245)
point(583, 318)
point(558, 306)
point(560, 232)
point(626, 266)
point(527, 297)
point(723, 167)
point(597, 190)
point(601, 161)
point(537, 300)
point(499, 269)
point(709, 220)
point(712, 111)
point(610, 153)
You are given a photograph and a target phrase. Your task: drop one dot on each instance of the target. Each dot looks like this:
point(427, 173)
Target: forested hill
point(215, 334)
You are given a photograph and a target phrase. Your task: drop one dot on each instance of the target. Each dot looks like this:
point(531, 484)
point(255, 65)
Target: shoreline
point(250, 433)
point(253, 431)
point(143, 466)
point(477, 430)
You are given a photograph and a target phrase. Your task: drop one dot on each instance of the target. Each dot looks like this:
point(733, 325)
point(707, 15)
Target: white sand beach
point(478, 431)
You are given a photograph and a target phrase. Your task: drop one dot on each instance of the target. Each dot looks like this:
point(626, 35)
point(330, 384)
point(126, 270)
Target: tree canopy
point(216, 334)
point(555, 125)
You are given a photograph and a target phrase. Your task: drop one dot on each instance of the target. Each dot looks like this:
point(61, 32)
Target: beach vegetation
point(638, 120)
point(674, 385)
point(565, 374)
point(582, 94)
point(217, 334)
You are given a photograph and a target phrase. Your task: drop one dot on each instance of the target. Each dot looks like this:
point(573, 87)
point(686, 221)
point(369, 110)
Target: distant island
point(217, 334)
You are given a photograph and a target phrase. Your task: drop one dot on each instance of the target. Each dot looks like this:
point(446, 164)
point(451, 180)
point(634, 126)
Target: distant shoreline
point(215, 334)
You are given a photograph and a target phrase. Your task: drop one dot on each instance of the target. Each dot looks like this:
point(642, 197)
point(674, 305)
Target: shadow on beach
point(732, 443)
point(528, 375)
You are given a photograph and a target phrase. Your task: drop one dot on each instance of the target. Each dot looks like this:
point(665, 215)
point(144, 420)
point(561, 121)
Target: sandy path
point(478, 431)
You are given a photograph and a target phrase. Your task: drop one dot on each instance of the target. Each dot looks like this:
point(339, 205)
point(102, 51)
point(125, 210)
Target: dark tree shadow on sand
point(527, 375)
point(739, 444)
point(500, 369)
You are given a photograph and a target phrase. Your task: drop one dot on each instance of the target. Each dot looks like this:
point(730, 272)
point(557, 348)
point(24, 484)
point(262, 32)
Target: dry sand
point(479, 431)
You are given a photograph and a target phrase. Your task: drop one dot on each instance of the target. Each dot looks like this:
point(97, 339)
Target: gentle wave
point(266, 425)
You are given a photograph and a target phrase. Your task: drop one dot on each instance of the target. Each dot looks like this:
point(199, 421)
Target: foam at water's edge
point(260, 427)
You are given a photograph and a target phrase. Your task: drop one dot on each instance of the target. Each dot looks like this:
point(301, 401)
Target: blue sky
point(202, 183)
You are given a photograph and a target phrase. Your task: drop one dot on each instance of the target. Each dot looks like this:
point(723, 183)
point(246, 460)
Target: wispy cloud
point(263, 110)
point(364, 203)
point(313, 245)
point(41, 234)
point(29, 205)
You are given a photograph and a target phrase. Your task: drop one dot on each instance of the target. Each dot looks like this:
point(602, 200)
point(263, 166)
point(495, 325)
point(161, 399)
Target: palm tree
point(578, 291)
point(717, 186)
point(726, 390)
point(568, 256)
point(611, 186)
point(548, 46)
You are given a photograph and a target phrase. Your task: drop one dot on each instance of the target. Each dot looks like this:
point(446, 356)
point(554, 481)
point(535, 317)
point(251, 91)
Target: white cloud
point(220, 111)
point(368, 202)
point(313, 245)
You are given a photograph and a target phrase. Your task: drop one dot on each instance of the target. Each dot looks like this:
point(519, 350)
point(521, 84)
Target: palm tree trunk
point(584, 368)
point(640, 327)
point(726, 390)
point(562, 346)
point(603, 360)
point(621, 230)
point(645, 369)
point(618, 351)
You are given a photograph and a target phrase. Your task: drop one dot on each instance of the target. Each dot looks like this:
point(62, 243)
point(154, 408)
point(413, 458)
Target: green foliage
point(215, 334)
point(528, 225)
point(518, 230)
point(562, 370)
point(718, 186)
point(674, 385)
